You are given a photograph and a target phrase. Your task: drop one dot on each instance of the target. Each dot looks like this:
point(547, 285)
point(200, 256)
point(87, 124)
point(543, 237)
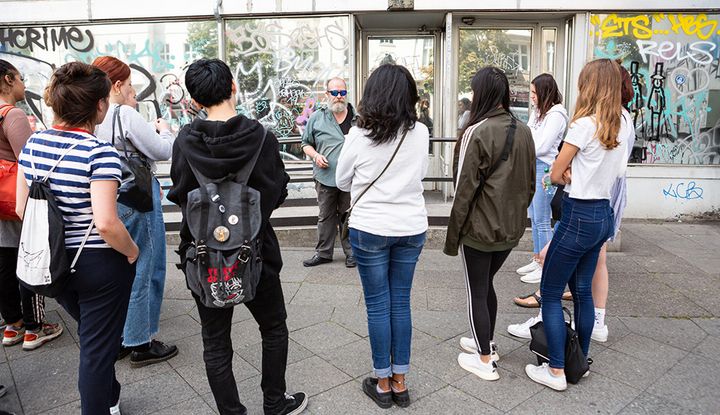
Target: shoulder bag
point(345, 218)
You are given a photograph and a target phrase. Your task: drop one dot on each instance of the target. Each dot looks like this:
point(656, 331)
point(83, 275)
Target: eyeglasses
point(22, 78)
point(336, 92)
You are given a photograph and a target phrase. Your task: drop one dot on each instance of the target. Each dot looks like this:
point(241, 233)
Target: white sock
point(379, 390)
point(600, 316)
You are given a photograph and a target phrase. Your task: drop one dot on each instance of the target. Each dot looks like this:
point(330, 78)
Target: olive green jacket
point(496, 220)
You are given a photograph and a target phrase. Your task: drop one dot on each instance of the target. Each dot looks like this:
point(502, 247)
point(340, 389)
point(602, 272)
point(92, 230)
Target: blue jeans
point(386, 265)
point(539, 210)
point(571, 259)
point(147, 229)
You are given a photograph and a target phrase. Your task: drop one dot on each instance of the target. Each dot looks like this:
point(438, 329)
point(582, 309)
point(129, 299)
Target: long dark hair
point(491, 89)
point(547, 93)
point(388, 103)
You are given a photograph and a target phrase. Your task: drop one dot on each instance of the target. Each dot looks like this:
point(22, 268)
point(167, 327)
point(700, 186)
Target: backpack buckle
point(201, 252)
point(245, 252)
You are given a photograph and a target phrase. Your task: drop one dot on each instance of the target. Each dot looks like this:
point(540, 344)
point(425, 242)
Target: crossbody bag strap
point(509, 140)
point(381, 173)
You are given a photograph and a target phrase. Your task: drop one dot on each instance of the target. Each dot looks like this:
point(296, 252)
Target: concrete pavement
point(662, 355)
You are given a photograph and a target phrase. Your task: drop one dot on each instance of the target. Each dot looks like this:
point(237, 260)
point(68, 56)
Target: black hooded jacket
point(216, 149)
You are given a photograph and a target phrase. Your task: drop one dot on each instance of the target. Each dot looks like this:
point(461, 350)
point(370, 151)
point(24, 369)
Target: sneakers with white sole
point(468, 344)
point(526, 269)
point(541, 374)
point(599, 333)
point(13, 335)
point(115, 410)
point(472, 363)
point(36, 338)
point(522, 330)
point(532, 277)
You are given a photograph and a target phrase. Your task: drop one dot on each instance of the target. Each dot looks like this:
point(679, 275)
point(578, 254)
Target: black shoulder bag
point(576, 364)
point(345, 218)
point(136, 189)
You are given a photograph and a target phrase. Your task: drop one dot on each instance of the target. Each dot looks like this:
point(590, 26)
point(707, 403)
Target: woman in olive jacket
point(494, 173)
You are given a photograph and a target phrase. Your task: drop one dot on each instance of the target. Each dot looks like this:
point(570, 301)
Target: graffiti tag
point(691, 191)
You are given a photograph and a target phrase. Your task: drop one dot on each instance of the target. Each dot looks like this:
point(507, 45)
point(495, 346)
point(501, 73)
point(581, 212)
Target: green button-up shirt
point(324, 134)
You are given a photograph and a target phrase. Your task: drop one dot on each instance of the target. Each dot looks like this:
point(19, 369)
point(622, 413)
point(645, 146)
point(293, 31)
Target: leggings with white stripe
point(480, 268)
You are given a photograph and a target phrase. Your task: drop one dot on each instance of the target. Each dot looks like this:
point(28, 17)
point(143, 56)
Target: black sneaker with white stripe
point(295, 403)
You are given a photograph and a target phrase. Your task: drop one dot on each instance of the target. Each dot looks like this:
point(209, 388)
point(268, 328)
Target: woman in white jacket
point(547, 122)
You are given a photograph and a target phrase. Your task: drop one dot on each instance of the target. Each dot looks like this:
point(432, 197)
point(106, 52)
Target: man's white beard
point(338, 107)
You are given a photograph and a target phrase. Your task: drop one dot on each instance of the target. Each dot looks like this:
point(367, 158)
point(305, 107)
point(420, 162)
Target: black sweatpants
point(480, 268)
point(16, 301)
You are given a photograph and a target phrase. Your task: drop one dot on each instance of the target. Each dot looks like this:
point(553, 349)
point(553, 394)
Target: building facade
point(283, 51)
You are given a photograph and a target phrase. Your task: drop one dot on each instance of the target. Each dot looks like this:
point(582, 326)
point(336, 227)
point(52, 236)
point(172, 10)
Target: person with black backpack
point(228, 178)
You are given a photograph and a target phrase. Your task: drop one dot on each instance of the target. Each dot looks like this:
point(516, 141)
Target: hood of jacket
point(216, 147)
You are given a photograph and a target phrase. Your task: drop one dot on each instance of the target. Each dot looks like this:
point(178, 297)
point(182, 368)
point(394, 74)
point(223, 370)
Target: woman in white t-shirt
point(595, 151)
point(389, 221)
point(547, 122)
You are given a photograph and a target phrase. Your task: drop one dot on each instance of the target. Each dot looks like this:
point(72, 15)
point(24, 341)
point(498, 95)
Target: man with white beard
point(322, 141)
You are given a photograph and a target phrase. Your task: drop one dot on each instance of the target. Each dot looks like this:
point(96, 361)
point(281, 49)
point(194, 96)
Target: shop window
point(673, 62)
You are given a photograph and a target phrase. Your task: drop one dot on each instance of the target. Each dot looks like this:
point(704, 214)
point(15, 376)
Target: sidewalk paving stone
point(661, 356)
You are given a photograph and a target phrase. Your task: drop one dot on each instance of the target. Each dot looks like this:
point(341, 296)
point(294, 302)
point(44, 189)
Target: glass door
point(417, 54)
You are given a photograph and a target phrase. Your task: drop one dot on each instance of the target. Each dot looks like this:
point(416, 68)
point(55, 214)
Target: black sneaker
point(316, 260)
point(3, 390)
point(295, 403)
point(350, 261)
point(156, 353)
point(382, 399)
point(123, 353)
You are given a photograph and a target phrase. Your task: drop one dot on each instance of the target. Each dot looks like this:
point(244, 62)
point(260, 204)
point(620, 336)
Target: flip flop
point(534, 301)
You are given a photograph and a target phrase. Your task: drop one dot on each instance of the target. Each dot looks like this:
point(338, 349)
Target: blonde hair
point(600, 95)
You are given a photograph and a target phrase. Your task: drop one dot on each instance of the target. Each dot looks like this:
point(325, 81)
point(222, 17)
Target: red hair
point(115, 69)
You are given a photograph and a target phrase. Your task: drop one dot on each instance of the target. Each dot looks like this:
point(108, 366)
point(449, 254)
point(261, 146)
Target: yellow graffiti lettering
point(615, 26)
point(693, 25)
point(640, 26)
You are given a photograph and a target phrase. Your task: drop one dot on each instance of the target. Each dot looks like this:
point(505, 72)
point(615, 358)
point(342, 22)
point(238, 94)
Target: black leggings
point(480, 268)
point(16, 301)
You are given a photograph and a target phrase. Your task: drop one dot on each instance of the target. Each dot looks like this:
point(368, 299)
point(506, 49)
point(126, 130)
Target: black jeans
point(16, 301)
point(480, 268)
point(268, 309)
point(97, 297)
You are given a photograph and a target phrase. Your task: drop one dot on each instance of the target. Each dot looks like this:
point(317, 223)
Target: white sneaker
point(115, 410)
point(472, 363)
point(541, 374)
point(523, 330)
point(599, 333)
point(532, 266)
point(532, 277)
point(468, 344)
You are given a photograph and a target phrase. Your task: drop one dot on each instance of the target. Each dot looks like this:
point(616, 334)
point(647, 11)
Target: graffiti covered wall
point(280, 65)
point(675, 67)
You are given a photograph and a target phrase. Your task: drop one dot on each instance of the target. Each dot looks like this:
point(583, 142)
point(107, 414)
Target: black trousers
point(332, 203)
point(97, 297)
point(268, 309)
point(16, 301)
point(480, 269)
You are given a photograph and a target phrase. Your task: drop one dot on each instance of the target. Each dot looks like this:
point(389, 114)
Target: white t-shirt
point(594, 168)
point(394, 205)
point(548, 132)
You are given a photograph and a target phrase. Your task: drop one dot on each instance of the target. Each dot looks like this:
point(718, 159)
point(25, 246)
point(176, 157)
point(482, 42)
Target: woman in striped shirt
point(85, 184)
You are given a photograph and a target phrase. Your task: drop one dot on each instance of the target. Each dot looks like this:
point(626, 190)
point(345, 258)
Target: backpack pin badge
point(221, 233)
point(233, 220)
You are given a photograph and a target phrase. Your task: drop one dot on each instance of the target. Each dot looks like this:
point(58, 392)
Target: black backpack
point(223, 264)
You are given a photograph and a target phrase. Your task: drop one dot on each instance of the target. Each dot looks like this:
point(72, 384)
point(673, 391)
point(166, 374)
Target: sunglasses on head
point(336, 92)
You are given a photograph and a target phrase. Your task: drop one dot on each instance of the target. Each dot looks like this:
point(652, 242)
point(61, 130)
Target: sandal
point(529, 301)
point(402, 398)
